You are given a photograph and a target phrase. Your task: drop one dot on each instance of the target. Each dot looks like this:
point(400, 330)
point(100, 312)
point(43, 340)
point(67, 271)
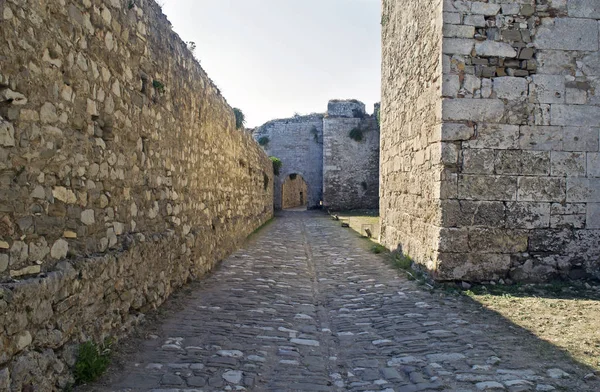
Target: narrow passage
point(306, 307)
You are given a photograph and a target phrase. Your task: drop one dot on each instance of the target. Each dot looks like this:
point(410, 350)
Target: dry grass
point(564, 315)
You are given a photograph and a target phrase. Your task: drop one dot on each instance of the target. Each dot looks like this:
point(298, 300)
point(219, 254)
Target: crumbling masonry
point(490, 166)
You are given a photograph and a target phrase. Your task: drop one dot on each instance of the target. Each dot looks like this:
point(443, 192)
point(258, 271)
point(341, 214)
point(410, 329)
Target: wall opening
point(294, 192)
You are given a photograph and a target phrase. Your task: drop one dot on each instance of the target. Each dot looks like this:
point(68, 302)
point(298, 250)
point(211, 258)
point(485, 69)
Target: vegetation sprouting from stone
point(158, 86)
point(240, 118)
point(263, 140)
point(131, 4)
point(293, 176)
point(92, 362)
point(315, 133)
point(356, 134)
point(378, 248)
point(277, 164)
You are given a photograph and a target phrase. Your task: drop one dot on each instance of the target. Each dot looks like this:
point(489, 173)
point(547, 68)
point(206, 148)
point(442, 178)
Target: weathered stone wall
point(122, 176)
point(519, 196)
point(411, 169)
point(340, 172)
point(294, 193)
point(298, 142)
point(350, 167)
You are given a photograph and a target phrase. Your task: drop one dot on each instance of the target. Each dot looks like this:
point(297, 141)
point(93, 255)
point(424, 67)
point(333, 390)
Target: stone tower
point(490, 164)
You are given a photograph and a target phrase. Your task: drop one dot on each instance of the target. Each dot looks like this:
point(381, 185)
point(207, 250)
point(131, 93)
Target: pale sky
point(275, 58)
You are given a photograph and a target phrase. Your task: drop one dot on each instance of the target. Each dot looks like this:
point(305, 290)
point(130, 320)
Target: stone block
point(551, 189)
point(459, 213)
point(474, 20)
point(593, 216)
point(548, 89)
point(472, 266)
point(450, 85)
point(535, 163)
point(567, 34)
point(456, 131)
point(581, 139)
point(542, 138)
point(496, 240)
point(458, 31)
point(584, 9)
point(527, 215)
point(487, 9)
point(457, 46)
point(452, 18)
point(593, 164)
point(582, 190)
point(575, 115)
point(497, 136)
point(550, 240)
point(482, 187)
point(495, 49)
point(479, 110)
point(572, 164)
point(453, 239)
point(478, 161)
point(511, 88)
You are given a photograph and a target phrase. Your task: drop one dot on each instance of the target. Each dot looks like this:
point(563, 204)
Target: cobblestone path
point(306, 307)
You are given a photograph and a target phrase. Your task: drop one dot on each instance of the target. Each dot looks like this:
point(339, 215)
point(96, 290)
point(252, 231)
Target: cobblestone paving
point(305, 306)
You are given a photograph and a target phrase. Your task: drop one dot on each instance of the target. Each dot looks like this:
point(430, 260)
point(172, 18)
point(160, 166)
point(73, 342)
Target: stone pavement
point(306, 307)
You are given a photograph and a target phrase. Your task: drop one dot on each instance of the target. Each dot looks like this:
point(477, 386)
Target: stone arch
point(312, 197)
point(294, 191)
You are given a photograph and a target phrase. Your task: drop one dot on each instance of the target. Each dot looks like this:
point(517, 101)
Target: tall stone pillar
point(490, 124)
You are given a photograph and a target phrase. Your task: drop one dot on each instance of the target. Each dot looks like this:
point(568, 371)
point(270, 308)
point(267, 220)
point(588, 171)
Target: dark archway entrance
point(294, 192)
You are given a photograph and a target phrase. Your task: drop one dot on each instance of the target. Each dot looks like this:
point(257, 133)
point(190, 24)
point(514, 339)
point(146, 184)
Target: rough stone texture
point(411, 142)
point(350, 167)
point(340, 173)
point(294, 192)
point(122, 177)
point(298, 142)
point(519, 137)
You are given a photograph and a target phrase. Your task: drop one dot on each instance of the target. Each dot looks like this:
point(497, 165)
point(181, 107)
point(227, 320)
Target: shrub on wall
point(240, 118)
point(293, 176)
point(356, 134)
point(263, 140)
point(277, 164)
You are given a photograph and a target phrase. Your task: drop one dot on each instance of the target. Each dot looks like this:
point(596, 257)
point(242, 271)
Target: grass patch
point(277, 164)
point(378, 248)
point(240, 118)
point(562, 313)
point(92, 362)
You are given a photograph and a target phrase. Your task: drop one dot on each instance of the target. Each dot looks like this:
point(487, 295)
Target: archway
point(294, 192)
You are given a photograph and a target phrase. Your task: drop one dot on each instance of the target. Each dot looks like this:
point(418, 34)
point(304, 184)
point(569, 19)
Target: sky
point(275, 58)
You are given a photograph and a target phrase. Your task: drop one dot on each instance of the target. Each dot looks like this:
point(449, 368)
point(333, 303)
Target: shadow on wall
point(294, 192)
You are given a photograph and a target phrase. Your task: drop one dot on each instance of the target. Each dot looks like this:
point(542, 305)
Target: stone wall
point(519, 194)
point(341, 173)
point(122, 176)
point(411, 169)
point(350, 166)
point(298, 142)
point(294, 192)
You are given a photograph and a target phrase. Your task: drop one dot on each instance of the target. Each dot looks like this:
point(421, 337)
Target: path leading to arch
point(305, 306)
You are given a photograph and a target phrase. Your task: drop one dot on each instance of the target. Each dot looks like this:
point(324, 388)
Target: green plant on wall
point(158, 86)
point(263, 140)
point(277, 164)
point(293, 176)
point(356, 134)
point(92, 362)
point(240, 118)
point(315, 132)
